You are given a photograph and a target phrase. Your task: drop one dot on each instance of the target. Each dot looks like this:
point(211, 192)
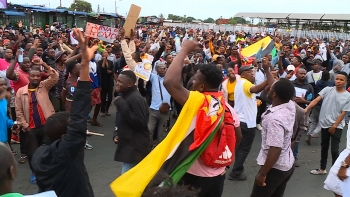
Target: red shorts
point(95, 97)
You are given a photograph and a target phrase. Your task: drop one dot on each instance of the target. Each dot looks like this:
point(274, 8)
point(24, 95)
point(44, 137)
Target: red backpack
point(221, 150)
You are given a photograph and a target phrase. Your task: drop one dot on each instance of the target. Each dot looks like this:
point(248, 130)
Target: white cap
point(290, 67)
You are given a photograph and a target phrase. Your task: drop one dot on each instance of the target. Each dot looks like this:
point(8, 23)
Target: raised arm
point(10, 72)
point(172, 79)
point(312, 104)
point(75, 138)
point(127, 52)
point(53, 76)
point(280, 64)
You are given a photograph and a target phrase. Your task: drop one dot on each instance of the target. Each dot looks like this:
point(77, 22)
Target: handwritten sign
point(104, 33)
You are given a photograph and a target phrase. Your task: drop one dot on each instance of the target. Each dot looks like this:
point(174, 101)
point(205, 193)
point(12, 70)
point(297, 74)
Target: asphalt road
point(103, 170)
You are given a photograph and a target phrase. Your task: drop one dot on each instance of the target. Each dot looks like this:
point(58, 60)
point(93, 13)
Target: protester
point(276, 156)
point(59, 164)
point(331, 118)
point(210, 180)
point(229, 85)
point(132, 135)
point(315, 127)
point(8, 172)
point(7, 123)
point(247, 111)
point(33, 107)
point(106, 67)
point(160, 104)
point(229, 51)
point(337, 180)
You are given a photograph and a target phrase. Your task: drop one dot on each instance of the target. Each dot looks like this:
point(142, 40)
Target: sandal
point(96, 124)
point(14, 153)
point(22, 159)
point(32, 179)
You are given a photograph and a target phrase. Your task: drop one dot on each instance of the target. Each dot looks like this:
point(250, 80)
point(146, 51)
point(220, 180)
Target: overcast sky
point(202, 9)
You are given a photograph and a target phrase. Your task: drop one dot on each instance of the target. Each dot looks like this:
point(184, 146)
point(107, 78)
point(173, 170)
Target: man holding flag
point(192, 153)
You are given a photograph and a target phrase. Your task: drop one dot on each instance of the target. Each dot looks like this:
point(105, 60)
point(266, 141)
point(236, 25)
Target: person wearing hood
point(337, 66)
point(59, 164)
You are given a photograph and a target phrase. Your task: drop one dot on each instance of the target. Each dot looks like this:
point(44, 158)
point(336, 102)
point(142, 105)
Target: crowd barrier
point(296, 33)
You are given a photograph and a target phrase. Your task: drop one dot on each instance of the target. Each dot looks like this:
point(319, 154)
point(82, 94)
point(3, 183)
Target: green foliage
point(209, 20)
point(61, 7)
point(81, 5)
point(174, 17)
point(237, 20)
point(161, 16)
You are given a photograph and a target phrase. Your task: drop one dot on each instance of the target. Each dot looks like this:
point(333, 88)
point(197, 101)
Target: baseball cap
point(216, 56)
point(58, 55)
point(316, 61)
point(290, 68)
point(244, 68)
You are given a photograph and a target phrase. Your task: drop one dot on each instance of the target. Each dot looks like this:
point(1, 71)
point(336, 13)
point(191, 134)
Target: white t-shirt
point(316, 76)
point(285, 74)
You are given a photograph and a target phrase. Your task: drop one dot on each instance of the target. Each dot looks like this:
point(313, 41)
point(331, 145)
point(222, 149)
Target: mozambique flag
point(196, 126)
point(252, 50)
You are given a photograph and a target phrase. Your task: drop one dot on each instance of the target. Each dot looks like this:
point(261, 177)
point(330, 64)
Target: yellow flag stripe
point(134, 182)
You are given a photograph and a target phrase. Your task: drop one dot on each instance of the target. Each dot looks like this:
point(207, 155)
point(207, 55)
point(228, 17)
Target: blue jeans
point(127, 166)
point(296, 150)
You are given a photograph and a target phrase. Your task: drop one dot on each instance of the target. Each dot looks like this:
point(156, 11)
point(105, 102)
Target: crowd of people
point(49, 87)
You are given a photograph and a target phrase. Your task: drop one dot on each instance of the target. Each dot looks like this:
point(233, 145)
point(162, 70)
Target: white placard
point(299, 92)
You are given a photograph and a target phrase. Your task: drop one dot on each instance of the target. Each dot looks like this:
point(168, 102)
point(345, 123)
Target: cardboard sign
point(131, 19)
point(105, 33)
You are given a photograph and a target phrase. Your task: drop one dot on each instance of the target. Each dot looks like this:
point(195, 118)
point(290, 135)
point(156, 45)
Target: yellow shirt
point(246, 88)
point(231, 90)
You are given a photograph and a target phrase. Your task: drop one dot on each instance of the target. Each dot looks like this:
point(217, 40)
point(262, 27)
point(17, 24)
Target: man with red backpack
point(207, 173)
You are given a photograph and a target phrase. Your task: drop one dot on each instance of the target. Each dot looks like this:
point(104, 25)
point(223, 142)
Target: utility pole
point(98, 9)
point(115, 5)
point(60, 3)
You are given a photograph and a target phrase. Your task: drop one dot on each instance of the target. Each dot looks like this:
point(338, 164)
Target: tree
point(237, 20)
point(174, 17)
point(190, 19)
point(81, 5)
point(161, 16)
point(61, 7)
point(261, 24)
point(209, 20)
point(232, 21)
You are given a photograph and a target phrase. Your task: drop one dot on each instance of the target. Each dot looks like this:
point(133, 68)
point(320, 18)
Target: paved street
point(103, 170)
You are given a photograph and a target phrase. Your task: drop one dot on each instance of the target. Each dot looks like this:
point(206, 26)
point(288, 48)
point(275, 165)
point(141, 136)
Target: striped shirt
point(36, 118)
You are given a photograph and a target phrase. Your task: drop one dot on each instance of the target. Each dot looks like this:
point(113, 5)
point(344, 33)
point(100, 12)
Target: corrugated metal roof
point(13, 13)
point(345, 17)
point(262, 15)
point(247, 14)
point(41, 10)
point(273, 15)
point(305, 16)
